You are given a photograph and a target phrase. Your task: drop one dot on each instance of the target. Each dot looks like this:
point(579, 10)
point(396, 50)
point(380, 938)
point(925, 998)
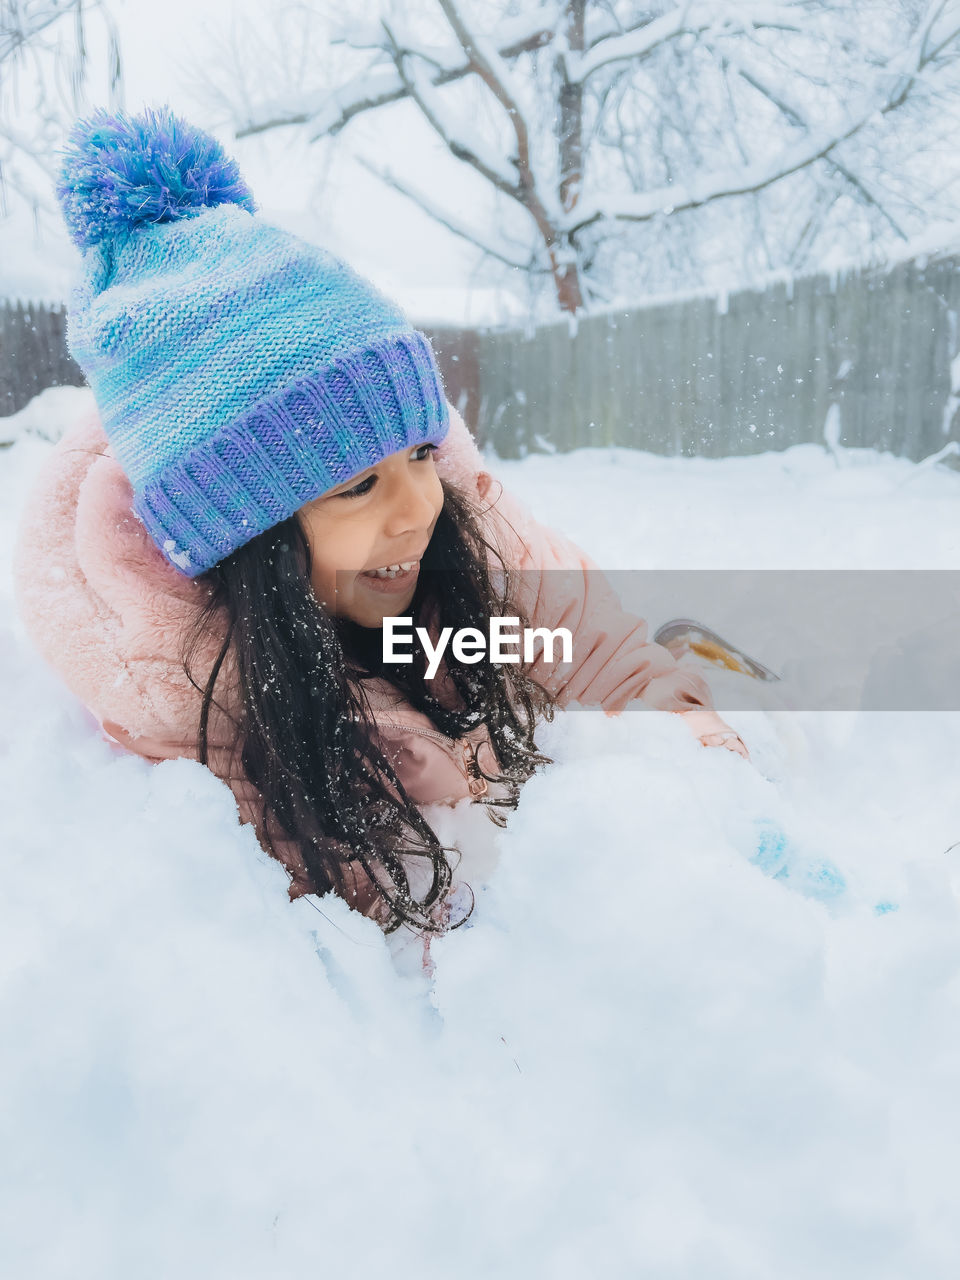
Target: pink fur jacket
point(107, 612)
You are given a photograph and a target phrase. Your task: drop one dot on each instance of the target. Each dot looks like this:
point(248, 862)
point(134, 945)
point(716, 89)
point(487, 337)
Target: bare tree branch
point(20, 26)
point(34, 56)
point(422, 92)
point(483, 58)
point(379, 87)
point(494, 74)
point(924, 33)
point(791, 111)
point(639, 41)
point(570, 102)
point(445, 219)
point(658, 91)
point(716, 186)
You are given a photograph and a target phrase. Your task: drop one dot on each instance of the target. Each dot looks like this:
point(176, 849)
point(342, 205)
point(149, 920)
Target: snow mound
point(645, 1055)
point(642, 1053)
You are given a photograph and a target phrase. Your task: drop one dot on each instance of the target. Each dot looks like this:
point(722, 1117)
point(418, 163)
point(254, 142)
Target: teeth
point(391, 570)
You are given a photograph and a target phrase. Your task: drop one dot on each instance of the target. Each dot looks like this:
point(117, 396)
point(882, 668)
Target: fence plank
point(689, 376)
point(33, 354)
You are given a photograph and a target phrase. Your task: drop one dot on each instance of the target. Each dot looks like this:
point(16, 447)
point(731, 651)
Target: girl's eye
point(360, 489)
point(365, 486)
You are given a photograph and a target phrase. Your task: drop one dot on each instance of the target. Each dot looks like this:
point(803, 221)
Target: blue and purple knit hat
point(239, 371)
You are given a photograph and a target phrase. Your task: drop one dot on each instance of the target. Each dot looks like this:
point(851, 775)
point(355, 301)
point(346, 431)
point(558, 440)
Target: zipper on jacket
point(476, 783)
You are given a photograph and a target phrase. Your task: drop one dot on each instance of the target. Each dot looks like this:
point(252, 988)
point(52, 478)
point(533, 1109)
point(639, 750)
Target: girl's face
point(383, 517)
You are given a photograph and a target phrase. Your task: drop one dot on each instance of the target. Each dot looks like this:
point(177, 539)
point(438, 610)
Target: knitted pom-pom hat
point(239, 371)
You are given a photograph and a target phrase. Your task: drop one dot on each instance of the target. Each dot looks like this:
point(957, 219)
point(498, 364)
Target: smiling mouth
point(392, 578)
point(392, 570)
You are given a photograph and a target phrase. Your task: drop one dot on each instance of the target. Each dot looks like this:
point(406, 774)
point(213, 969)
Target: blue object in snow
point(814, 878)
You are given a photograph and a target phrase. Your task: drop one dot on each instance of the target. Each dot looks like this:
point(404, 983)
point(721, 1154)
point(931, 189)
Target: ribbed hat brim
point(291, 447)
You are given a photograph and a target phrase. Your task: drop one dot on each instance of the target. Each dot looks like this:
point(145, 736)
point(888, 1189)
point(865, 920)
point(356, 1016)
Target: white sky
point(319, 191)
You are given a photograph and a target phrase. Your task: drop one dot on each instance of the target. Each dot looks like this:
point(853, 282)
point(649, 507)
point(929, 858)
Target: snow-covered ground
point(644, 1056)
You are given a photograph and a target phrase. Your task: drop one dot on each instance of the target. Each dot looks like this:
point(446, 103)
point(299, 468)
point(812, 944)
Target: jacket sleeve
point(107, 614)
point(95, 596)
point(613, 660)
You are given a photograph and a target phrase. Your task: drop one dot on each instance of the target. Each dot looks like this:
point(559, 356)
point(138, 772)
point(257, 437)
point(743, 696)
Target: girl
point(270, 468)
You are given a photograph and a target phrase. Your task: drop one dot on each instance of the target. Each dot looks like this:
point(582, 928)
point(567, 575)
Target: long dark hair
point(305, 735)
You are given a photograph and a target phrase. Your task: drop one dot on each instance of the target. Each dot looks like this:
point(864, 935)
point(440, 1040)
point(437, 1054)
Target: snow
point(639, 42)
point(45, 417)
point(796, 509)
point(35, 265)
point(868, 106)
point(642, 1057)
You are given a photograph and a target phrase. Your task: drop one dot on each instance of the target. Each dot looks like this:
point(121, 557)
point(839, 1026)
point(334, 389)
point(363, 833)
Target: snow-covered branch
point(328, 112)
point(791, 110)
point(888, 92)
point(43, 68)
point(20, 25)
point(484, 58)
point(493, 71)
point(446, 219)
point(640, 41)
point(622, 112)
point(462, 142)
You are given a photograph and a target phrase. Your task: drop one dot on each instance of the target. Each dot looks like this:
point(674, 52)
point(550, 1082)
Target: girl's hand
point(714, 732)
point(729, 739)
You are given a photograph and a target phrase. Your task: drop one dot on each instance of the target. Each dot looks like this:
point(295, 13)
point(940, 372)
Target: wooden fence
point(33, 353)
point(870, 351)
point(714, 376)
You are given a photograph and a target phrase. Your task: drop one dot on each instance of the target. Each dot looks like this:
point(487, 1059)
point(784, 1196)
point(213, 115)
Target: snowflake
point(180, 558)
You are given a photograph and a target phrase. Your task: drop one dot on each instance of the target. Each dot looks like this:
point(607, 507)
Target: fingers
point(732, 741)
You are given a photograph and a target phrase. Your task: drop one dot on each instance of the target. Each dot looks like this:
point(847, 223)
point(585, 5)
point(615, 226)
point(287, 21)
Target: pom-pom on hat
point(239, 371)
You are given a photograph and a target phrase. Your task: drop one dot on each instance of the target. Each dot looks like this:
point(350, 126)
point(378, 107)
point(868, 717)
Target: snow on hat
point(239, 371)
